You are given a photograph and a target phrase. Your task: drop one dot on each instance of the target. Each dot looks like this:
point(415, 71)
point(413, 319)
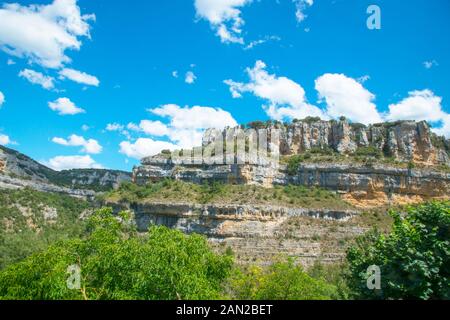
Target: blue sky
point(282, 59)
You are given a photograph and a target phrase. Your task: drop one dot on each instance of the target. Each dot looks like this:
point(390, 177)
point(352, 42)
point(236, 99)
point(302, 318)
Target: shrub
point(283, 280)
point(370, 151)
point(294, 163)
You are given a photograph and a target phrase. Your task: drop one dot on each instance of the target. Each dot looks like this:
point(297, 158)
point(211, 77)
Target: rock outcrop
point(407, 142)
point(256, 233)
point(402, 140)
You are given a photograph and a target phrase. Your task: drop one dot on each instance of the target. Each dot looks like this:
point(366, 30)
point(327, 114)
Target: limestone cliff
point(402, 140)
point(403, 143)
point(257, 233)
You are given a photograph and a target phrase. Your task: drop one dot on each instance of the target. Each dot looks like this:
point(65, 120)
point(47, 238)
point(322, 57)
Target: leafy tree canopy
point(414, 258)
point(118, 263)
point(283, 280)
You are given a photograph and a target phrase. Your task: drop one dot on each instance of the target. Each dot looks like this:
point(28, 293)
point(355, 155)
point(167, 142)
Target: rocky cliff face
point(256, 233)
point(365, 184)
point(403, 140)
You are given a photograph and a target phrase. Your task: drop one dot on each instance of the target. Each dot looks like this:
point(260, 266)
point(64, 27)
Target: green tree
point(117, 263)
point(414, 258)
point(283, 280)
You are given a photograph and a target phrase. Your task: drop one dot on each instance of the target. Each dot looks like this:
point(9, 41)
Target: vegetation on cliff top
point(217, 193)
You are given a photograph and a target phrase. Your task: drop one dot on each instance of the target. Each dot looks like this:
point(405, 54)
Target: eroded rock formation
point(402, 140)
point(256, 233)
point(407, 141)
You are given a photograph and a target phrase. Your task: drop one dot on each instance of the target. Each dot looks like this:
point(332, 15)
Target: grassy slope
point(182, 192)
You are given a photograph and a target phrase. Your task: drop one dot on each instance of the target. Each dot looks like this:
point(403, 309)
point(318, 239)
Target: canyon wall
point(256, 233)
point(402, 142)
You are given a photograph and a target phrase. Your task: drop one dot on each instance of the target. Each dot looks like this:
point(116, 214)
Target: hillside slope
point(17, 166)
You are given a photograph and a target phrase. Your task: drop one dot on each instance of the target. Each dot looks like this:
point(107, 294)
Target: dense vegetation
point(179, 191)
point(118, 263)
point(414, 258)
point(24, 228)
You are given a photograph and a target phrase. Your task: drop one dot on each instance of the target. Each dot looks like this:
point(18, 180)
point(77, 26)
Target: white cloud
point(79, 77)
point(345, 96)
point(224, 17)
point(422, 105)
point(114, 127)
point(301, 6)
point(184, 130)
point(190, 77)
point(256, 43)
point(42, 33)
point(363, 79)
point(10, 62)
point(90, 146)
point(144, 147)
point(73, 162)
point(419, 105)
point(85, 127)
point(2, 99)
point(196, 117)
point(35, 77)
point(430, 64)
point(117, 127)
point(65, 107)
point(187, 125)
point(4, 140)
point(444, 130)
point(175, 74)
point(153, 128)
point(286, 98)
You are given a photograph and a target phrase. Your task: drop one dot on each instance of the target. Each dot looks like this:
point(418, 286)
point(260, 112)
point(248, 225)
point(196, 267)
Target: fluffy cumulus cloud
point(65, 107)
point(345, 96)
point(301, 6)
point(285, 98)
point(422, 105)
point(4, 140)
point(224, 17)
point(38, 78)
point(90, 146)
point(72, 162)
point(79, 77)
point(196, 117)
point(2, 99)
point(144, 147)
point(341, 96)
point(419, 105)
point(43, 33)
point(184, 129)
point(152, 128)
